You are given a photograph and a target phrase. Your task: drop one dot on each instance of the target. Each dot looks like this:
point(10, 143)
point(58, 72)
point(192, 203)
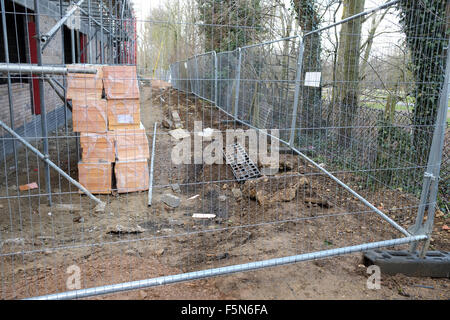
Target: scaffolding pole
point(6, 52)
point(63, 61)
point(10, 99)
point(48, 162)
point(60, 94)
point(150, 188)
point(45, 38)
point(115, 53)
point(39, 69)
point(42, 103)
point(102, 51)
point(93, 20)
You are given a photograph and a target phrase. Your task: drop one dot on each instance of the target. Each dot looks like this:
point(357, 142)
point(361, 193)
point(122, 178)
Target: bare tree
point(168, 34)
point(229, 24)
point(346, 89)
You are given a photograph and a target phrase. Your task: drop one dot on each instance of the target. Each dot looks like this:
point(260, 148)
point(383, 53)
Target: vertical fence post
point(42, 102)
point(431, 176)
point(63, 60)
point(188, 81)
point(175, 70)
point(175, 73)
point(102, 48)
point(197, 79)
point(216, 70)
point(297, 90)
point(10, 97)
point(191, 73)
point(183, 66)
point(178, 73)
point(238, 84)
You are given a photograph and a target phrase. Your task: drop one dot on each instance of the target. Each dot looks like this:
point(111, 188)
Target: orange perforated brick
point(89, 115)
point(120, 82)
point(96, 177)
point(97, 147)
point(80, 85)
point(124, 114)
point(131, 144)
point(132, 176)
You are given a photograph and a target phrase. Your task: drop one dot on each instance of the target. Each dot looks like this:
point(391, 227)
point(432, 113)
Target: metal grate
point(265, 115)
point(243, 167)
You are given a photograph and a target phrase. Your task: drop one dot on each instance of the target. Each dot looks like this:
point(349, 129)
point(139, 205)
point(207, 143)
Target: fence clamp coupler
point(429, 175)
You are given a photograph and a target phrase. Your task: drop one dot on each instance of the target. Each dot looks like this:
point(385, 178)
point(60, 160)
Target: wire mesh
point(347, 149)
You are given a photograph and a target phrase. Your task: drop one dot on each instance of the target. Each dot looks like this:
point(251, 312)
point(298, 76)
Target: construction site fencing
point(341, 113)
point(357, 135)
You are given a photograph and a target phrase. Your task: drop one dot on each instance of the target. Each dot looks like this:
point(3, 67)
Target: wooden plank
point(203, 216)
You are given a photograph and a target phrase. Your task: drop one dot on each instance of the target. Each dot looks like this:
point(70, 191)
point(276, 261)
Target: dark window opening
point(16, 29)
point(80, 47)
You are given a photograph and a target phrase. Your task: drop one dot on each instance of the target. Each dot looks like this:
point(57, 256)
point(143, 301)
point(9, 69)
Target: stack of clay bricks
point(124, 123)
point(106, 113)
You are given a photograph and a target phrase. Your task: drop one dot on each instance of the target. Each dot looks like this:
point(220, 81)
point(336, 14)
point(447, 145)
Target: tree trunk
point(424, 23)
point(367, 46)
point(309, 20)
point(346, 89)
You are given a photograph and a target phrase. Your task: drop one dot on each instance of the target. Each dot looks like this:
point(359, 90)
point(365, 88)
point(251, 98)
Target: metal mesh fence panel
point(264, 140)
point(267, 85)
point(226, 79)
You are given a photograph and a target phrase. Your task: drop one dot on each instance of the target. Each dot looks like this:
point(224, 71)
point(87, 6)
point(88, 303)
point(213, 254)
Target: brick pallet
point(89, 115)
point(112, 138)
point(124, 114)
point(96, 176)
point(85, 85)
point(131, 144)
point(132, 175)
point(120, 82)
point(98, 147)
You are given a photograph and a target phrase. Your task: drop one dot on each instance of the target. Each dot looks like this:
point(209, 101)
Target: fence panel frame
point(194, 82)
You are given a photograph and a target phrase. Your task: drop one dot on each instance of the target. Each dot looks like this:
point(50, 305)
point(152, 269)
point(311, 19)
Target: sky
point(142, 7)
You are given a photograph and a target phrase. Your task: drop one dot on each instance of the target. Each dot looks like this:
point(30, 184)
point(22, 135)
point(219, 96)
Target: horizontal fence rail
point(347, 120)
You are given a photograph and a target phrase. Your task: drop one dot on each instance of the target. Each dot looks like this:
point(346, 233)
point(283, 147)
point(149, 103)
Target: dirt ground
point(41, 242)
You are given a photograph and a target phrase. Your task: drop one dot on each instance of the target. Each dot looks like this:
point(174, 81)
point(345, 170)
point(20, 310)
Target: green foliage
point(307, 14)
point(424, 25)
point(394, 144)
point(229, 24)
